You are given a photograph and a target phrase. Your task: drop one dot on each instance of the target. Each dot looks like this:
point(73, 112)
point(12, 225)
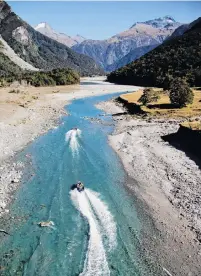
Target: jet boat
point(79, 186)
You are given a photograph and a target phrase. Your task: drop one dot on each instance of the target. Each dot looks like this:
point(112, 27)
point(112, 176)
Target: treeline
point(50, 78)
point(179, 57)
point(8, 67)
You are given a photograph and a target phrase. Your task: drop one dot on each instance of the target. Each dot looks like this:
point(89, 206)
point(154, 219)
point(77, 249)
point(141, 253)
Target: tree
point(180, 93)
point(148, 96)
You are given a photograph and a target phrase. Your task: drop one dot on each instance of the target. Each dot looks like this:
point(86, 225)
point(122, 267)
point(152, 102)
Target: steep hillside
point(179, 31)
point(67, 40)
point(178, 57)
point(8, 51)
point(95, 49)
point(8, 67)
point(108, 53)
point(132, 55)
point(39, 50)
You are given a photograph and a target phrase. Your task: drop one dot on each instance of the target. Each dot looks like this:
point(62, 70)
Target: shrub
point(180, 93)
point(58, 76)
point(16, 91)
point(148, 96)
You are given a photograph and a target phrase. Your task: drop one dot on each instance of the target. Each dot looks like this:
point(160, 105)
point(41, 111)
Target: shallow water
point(96, 232)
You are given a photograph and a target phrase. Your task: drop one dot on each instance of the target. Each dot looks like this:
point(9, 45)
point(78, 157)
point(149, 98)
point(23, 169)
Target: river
point(95, 232)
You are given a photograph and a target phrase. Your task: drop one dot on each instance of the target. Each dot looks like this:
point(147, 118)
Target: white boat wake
point(71, 137)
point(101, 224)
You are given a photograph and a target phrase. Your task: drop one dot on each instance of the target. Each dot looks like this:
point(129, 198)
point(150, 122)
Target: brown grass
point(195, 125)
point(163, 107)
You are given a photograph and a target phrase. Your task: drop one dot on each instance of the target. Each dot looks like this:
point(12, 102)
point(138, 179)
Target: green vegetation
point(10, 72)
point(14, 91)
point(149, 95)
point(163, 107)
point(49, 78)
point(180, 93)
point(41, 51)
point(177, 57)
point(7, 67)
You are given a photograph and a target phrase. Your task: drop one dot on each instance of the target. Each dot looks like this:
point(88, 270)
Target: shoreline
point(162, 181)
point(31, 112)
point(167, 236)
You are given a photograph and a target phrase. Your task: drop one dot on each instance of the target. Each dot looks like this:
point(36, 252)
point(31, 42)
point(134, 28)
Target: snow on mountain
point(139, 38)
point(69, 41)
point(161, 22)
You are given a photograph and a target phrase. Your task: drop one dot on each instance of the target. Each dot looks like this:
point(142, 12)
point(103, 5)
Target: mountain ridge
point(63, 38)
point(109, 52)
point(39, 50)
point(160, 22)
point(177, 57)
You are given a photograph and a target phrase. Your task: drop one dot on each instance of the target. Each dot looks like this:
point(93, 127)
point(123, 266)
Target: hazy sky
point(100, 20)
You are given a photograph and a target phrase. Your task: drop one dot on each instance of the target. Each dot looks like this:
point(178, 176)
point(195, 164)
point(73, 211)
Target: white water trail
point(72, 137)
point(105, 217)
point(96, 261)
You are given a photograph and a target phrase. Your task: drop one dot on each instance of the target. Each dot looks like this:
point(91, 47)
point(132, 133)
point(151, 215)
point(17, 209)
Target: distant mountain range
point(131, 44)
point(24, 47)
point(122, 48)
point(69, 41)
point(160, 23)
point(178, 56)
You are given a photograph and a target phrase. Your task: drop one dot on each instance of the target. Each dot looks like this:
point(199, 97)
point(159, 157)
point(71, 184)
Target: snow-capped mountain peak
point(161, 22)
point(45, 29)
point(169, 18)
point(43, 25)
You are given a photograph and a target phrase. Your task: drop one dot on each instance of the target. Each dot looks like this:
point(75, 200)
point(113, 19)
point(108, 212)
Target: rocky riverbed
point(27, 112)
point(168, 182)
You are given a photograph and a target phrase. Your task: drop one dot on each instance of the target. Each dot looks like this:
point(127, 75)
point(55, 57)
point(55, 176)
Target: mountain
point(161, 22)
point(176, 57)
point(132, 55)
point(39, 50)
point(6, 50)
point(78, 39)
point(45, 29)
point(95, 49)
point(7, 66)
point(179, 31)
point(109, 53)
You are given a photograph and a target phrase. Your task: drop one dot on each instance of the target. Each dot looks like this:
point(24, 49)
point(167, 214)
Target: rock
point(46, 223)
point(15, 180)
point(2, 205)
point(3, 231)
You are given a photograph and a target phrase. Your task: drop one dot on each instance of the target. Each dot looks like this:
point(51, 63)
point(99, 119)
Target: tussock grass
point(163, 107)
point(195, 125)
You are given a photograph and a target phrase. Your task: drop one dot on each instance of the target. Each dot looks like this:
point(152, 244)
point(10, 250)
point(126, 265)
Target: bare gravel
point(168, 182)
point(29, 112)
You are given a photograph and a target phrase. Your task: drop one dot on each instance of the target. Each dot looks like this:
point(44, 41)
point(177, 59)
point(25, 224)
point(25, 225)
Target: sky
point(101, 20)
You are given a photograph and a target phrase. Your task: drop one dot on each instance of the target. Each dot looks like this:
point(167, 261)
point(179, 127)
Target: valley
point(100, 139)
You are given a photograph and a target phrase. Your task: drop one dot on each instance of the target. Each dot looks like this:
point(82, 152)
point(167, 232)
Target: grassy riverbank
point(163, 108)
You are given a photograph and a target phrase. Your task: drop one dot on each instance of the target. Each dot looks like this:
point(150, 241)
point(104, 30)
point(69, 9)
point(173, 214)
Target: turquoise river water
point(95, 232)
